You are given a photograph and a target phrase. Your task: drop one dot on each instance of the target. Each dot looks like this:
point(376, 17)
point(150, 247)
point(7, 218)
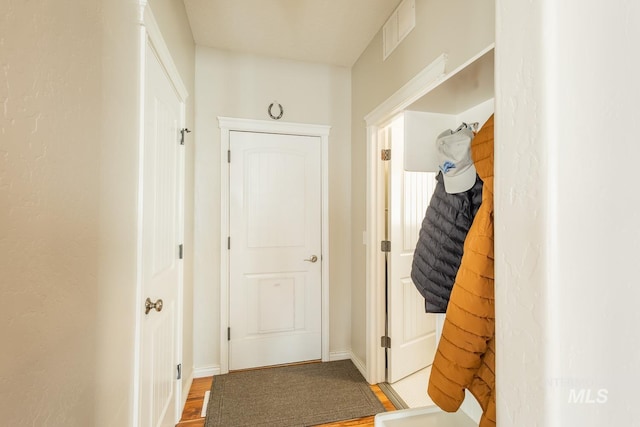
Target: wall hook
point(182, 132)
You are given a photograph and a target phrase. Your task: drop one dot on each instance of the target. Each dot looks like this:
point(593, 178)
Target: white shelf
point(462, 95)
point(467, 86)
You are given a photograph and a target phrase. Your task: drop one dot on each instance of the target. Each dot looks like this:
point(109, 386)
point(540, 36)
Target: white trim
point(361, 366)
point(375, 295)
point(180, 263)
point(150, 24)
point(339, 355)
point(205, 404)
point(150, 33)
point(324, 136)
point(432, 76)
point(228, 124)
point(224, 251)
point(137, 363)
point(288, 128)
point(425, 81)
point(206, 371)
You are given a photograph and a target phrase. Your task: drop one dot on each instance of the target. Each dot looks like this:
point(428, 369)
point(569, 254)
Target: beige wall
point(68, 177)
point(50, 89)
point(116, 306)
point(457, 27)
point(243, 86)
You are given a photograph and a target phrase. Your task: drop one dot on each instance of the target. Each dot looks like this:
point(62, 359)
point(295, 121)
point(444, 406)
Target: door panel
point(275, 224)
point(412, 331)
point(160, 264)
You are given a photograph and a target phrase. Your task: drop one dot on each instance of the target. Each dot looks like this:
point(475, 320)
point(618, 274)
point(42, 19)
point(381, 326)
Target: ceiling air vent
point(398, 26)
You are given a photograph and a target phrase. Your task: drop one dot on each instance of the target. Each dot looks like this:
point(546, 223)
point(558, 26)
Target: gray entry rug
point(291, 396)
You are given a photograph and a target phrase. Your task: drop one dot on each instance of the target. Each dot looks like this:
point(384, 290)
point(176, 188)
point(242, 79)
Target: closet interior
point(463, 95)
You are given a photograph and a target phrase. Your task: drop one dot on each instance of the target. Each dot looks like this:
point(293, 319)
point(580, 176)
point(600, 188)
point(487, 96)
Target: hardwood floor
point(193, 408)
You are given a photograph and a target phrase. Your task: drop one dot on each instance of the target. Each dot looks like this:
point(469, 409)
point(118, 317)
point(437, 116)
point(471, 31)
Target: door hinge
point(180, 251)
point(385, 154)
point(229, 243)
point(229, 334)
point(179, 367)
point(228, 156)
point(385, 342)
point(182, 132)
point(385, 246)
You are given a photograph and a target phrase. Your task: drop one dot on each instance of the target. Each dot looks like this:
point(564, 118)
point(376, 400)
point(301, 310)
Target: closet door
point(412, 331)
point(160, 265)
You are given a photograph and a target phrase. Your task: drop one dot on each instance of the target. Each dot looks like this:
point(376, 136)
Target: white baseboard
point(362, 367)
point(348, 354)
point(339, 355)
point(209, 371)
point(206, 371)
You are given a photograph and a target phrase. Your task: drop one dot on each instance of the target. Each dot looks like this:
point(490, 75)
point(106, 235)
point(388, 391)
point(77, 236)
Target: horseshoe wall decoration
point(279, 116)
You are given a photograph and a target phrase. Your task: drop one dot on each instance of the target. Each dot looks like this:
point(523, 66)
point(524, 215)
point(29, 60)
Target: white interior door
point(275, 249)
point(161, 267)
point(412, 331)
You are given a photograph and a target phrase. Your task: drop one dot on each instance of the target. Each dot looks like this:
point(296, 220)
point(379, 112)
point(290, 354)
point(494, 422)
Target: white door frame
point(430, 77)
point(227, 125)
point(150, 33)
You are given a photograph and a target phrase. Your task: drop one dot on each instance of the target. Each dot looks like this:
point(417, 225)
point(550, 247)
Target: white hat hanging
point(454, 159)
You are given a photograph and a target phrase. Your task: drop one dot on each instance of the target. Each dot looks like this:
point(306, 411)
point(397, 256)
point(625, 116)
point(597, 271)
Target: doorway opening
point(439, 100)
point(410, 333)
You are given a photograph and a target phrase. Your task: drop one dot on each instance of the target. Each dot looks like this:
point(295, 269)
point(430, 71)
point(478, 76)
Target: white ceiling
point(328, 31)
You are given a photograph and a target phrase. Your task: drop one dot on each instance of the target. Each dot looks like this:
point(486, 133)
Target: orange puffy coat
point(465, 358)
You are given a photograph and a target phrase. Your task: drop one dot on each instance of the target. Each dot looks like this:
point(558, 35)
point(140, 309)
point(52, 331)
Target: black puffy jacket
point(439, 249)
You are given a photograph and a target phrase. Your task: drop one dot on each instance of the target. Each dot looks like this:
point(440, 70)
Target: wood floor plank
point(191, 414)
point(193, 408)
point(191, 423)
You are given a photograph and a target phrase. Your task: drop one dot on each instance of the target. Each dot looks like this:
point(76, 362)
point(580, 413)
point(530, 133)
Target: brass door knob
point(148, 305)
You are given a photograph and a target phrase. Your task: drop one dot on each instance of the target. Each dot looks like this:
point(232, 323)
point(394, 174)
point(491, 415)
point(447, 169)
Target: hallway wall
point(566, 196)
point(116, 306)
point(50, 89)
point(238, 85)
point(68, 192)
